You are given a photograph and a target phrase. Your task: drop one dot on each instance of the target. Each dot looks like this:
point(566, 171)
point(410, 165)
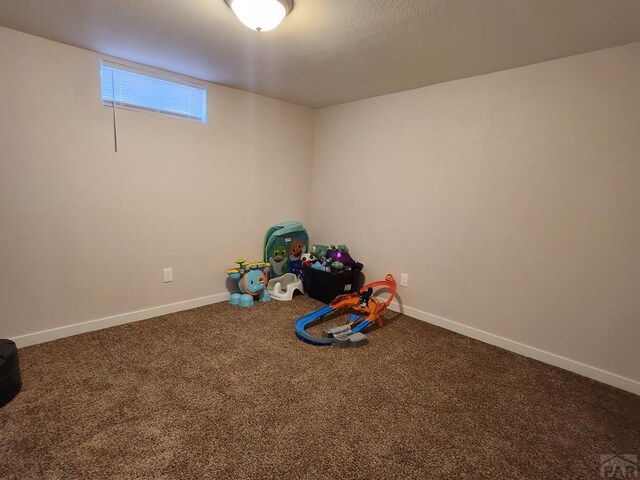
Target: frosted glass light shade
point(260, 15)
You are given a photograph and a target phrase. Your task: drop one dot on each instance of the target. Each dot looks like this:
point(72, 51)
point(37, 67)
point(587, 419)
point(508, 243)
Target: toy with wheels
point(252, 279)
point(364, 310)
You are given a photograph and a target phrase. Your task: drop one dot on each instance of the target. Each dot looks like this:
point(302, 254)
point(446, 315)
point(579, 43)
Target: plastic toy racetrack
point(365, 308)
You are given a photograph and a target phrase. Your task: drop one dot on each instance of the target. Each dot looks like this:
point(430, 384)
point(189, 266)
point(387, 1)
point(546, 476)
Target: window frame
point(155, 74)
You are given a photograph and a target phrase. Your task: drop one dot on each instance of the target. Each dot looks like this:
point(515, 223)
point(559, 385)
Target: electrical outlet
point(404, 279)
point(167, 275)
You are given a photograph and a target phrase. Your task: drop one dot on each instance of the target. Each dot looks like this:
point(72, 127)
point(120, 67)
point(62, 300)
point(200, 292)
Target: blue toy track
point(303, 322)
point(368, 310)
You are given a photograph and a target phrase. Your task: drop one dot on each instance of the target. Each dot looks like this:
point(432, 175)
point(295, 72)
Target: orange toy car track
point(364, 309)
point(369, 305)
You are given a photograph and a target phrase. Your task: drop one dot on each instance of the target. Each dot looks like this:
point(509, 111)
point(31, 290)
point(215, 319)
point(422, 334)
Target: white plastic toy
point(282, 288)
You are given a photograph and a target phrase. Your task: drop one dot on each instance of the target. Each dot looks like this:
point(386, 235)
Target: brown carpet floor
point(224, 392)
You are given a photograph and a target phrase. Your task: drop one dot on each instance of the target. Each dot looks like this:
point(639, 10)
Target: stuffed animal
point(308, 259)
point(320, 251)
point(341, 254)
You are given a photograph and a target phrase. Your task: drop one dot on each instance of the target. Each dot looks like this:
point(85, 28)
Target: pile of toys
point(284, 246)
point(288, 267)
point(326, 273)
point(330, 259)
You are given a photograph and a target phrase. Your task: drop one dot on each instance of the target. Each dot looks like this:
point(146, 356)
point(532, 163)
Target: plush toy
point(308, 259)
point(278, 260)
point(332, 258)
point(337, 266)
point(320, 251)
point(341, 254)
point(252, 279)
point(296, 250)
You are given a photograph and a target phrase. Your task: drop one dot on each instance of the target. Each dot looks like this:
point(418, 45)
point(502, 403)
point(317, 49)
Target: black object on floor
point(10, 381)
point(325, 286)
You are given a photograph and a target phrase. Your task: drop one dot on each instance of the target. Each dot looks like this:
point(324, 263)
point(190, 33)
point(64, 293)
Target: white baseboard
point(589, 371)
point(106, 322)
point(585, 370)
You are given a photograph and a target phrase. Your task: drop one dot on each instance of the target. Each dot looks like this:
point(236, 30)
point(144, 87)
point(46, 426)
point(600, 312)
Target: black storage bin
point(10, 381)
point(325, 286)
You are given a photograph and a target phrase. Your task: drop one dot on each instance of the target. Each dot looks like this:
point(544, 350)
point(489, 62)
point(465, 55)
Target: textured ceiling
point(332, 51)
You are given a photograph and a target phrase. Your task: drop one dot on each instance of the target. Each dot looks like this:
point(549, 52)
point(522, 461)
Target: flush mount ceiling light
point(260, 15)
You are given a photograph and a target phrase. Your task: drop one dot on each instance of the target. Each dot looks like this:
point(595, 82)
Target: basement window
point(137, 89)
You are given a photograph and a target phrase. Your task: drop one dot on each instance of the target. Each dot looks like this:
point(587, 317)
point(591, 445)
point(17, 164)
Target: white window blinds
point(138, 89)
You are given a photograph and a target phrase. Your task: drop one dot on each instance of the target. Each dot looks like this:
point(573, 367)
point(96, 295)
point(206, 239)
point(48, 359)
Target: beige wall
point(85, 232)
point(511, 199)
